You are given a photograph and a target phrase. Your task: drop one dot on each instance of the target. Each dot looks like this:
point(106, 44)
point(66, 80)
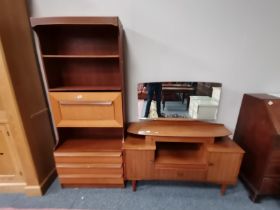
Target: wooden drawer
point(275, 155)
point(273, 169)
point(91, 180)
point(80, 109)
point(270, 186)
point(180, 174)
point(89, 157)
point(89, 169)
point(78, 159)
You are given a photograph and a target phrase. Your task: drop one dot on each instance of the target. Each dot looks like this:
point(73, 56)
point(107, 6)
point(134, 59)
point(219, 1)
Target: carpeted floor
point(149, 195)
point(30, 209)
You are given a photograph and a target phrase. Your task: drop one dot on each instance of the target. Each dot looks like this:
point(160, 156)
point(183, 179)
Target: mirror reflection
point(194, 100)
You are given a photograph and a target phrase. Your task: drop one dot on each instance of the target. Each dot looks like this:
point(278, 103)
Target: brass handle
point(99, 103)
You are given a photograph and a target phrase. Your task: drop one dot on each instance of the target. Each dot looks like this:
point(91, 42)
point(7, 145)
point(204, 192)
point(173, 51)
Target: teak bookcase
point(83, 66)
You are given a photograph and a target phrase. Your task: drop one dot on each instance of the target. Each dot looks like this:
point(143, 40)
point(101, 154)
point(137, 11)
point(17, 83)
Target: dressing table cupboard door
point(223, 167)
point(224, 160)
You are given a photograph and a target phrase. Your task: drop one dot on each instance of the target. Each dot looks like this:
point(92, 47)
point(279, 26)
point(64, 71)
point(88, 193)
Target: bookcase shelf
point(85, 88)
point(83, 72)
point(91, 145)
point(78, 39)
point(81, 56)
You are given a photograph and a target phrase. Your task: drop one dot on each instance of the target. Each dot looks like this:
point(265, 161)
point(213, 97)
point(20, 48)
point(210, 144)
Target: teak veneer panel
point(178, 129)
point(99, 171)
point(85, 88)
point(80, 109)
point(180, 155)
point(136, 143)
point(86, 72)
point(224, 167)
point(91, 147)
point(225, 145)
point(180, 174)
point(74, 21)
point(77, 181)
point(88, 159)
point(139, 164)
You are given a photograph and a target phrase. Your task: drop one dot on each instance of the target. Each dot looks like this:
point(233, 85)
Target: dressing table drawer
point(181, 174)
point(87, 109)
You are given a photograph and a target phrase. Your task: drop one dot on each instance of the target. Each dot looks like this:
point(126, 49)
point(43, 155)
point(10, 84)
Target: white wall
point(235, 42)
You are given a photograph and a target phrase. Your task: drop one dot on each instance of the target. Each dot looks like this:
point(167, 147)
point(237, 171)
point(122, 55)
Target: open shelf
point(174, 155)
point(90, 139)
point(85, 88)
point(91, 145)
point(84, 72)
point(80, 56)
point(78, 39)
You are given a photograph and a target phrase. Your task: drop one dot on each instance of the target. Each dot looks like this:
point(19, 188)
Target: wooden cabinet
point(82, 62)
point(181, 150)
point(139, 159)
point(26, 138)
point(258, 133)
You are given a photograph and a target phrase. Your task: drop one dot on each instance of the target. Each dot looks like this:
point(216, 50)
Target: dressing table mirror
point(189, 100)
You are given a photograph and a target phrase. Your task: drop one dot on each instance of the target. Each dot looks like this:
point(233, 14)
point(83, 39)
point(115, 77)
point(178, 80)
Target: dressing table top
point(178, 128)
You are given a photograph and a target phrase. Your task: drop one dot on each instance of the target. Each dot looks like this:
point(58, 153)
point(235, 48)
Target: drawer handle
point(1, 153)
point(99, 103)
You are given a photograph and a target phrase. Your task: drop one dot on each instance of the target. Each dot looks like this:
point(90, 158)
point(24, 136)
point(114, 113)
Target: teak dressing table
point(181, 150)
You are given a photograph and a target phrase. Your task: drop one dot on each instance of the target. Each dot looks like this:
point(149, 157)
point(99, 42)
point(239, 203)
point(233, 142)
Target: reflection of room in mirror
point(193, 100)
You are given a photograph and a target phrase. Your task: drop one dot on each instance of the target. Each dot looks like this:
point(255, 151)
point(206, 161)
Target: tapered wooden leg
point(134, 183)
point(223, 189)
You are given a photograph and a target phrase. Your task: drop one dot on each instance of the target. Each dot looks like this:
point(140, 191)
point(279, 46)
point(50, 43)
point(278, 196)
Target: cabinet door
point(81, 109)
point(223, 167)
point(139, 164)
point(6, 162)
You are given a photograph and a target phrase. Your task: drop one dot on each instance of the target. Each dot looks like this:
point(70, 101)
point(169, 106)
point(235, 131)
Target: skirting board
point(17, 187)
point(39, 190)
